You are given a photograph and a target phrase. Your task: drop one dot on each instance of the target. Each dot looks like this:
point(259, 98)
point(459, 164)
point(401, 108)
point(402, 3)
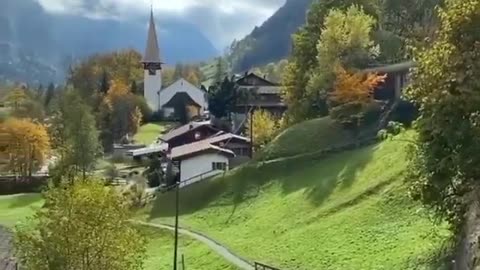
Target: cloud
point(220, 20)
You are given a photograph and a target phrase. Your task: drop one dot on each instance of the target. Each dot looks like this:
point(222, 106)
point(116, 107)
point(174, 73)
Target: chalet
point(189, 133)
point(259, 93)
point(209, 157)
point(397, 79)
point(255, 92)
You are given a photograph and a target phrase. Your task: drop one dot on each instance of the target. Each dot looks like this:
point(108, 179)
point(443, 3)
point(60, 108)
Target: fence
point(261, 266)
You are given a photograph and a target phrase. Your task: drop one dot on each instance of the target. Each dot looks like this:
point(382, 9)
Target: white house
point(199, 161)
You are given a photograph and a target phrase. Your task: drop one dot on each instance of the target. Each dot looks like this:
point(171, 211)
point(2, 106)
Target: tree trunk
point(467, 256)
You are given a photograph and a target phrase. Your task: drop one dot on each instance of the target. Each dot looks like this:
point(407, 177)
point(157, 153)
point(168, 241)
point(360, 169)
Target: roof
point(181, 98)
point(226, 136)
point(152, 52)
point(182, 82)
point(184, 129)
point(197, 148)
point(163, 147)
point(405, 66)
point(256, 77)
point(262, 104)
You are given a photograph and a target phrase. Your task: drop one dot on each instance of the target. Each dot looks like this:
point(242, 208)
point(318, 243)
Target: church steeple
point(152, 83)
point(152, 51)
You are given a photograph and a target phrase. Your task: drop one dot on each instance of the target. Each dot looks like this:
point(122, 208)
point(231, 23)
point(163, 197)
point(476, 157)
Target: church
point(166, 100)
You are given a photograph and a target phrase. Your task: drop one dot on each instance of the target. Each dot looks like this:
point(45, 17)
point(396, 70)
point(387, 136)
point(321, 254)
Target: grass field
point(15, 208)
point(306, 137)
point(348, 211)
point(149, 132)
point(196, 255)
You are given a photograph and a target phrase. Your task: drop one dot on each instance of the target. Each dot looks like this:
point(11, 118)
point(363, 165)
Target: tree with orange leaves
point(354, 87)
point(26, 144)
point(352, 96)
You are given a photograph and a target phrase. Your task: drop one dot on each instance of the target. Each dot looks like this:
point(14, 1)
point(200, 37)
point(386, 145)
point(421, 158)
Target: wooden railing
point(261, 266)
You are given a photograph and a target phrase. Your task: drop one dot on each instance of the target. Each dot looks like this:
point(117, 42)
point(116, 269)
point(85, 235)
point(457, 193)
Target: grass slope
point(15, 208)
point(306, 137)
point(348, 211)
point(149, 132)
point(197, 256)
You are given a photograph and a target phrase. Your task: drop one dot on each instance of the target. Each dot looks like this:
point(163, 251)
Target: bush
point(83, 220)
point(10, 185)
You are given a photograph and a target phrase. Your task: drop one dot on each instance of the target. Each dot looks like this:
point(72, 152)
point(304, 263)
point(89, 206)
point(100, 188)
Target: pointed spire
point(152, 52)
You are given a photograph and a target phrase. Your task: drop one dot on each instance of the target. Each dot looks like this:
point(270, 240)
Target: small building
point(209, 157)
point(200, 161)
point(255, 92)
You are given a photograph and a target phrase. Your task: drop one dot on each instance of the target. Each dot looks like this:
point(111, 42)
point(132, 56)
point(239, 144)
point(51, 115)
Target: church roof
point(152, 51)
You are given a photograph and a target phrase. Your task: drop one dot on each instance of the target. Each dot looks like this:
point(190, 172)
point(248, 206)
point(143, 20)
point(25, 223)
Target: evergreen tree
point(222, 98)
point(104, 83)
point(49, 94)
point(220, 71)
point(134, 88)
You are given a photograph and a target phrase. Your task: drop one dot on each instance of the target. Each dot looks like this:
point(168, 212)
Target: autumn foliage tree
point(83, 225)
point(264, 128)
point(445, 87)
point(26, 144)
point(352, 96)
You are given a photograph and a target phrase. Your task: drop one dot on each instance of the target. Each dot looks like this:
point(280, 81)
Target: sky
point(220, 20)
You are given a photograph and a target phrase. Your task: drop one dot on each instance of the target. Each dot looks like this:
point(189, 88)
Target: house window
point(219, 166)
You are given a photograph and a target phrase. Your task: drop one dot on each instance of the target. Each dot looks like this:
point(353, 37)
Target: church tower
point(153, 68)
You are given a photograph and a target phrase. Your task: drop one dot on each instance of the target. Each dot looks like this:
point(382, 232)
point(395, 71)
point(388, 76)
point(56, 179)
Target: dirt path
point(214, 245)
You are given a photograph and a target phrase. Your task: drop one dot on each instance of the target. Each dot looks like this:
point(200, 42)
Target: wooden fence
point(261, 266)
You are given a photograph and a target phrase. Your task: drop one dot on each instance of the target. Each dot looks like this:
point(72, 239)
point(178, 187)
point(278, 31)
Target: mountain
point(36, 46)
point(271, 41)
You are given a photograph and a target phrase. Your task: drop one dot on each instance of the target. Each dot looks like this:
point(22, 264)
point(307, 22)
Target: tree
point(354, 87)
point(222, 98)
point(49, 95)
point(445, 160)
point(265, 128)
point(301, 90)
point(27, 143)
point(154, 172)
point(124, 109)
point(81, 226)
point(104, 83)
point(81, 136)
point(220, 70)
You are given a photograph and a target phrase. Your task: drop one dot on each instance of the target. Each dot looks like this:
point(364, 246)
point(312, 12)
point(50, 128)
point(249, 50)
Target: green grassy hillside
point(306, 137)
point(15, 208)
point(149, 132)
point(348, 211)
point(196, 255)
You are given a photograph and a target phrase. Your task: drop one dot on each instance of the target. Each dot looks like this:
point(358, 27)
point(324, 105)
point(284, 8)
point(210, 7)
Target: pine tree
point(104, 83)
point(49, 94)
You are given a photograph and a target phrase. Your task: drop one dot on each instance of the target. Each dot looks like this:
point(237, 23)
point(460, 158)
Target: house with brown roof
point(189, 133)
point(209, 157)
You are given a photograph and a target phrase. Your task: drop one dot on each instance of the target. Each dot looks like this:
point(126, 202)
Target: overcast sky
point(220, 20)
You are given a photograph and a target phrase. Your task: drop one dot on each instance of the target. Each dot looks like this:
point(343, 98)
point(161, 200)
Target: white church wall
point(153, 84)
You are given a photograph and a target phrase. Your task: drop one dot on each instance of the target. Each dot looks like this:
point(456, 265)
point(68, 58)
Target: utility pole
point(251, 132)
point(177, 206)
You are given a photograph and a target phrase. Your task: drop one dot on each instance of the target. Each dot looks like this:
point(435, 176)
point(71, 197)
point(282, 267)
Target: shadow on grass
point(317, 176)
point(24, 200)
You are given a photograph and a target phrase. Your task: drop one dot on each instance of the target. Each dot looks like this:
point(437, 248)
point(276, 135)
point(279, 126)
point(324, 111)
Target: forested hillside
point(37, 46)
point(272, 40)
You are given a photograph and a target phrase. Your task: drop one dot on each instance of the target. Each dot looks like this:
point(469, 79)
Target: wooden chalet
point(189, 133)
point(259, 93)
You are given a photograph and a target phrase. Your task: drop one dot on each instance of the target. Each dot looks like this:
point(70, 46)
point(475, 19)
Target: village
point(335, 135)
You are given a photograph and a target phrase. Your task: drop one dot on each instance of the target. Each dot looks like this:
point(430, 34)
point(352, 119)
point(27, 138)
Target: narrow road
point(214, 245)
